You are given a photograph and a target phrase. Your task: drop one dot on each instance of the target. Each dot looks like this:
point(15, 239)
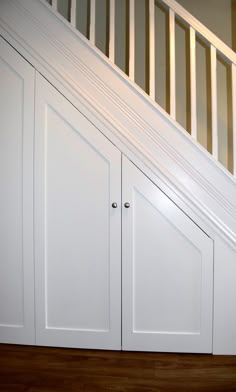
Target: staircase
point(148, 132)
point(195, 32)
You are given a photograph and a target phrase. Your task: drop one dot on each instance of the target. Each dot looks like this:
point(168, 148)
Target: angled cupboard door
point(167, 268)
point(16, 198)
point(77, 232)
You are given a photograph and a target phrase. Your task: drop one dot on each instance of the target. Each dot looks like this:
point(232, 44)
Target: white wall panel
point(77, 230)
point(167, 272)
point(16, 198)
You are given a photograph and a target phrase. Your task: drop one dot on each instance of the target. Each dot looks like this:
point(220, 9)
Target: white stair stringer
point(141, 130)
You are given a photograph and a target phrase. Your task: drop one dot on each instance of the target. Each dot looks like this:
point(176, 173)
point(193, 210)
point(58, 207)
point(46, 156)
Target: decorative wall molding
point(59, 52)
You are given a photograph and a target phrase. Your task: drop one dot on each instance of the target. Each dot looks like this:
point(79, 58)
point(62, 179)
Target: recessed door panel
point(16, 198)
point(78, 253)
point(167, 272)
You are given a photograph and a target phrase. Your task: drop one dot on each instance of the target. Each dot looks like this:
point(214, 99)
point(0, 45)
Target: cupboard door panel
point(167, 272)
point(78, 255)
point(16, 198)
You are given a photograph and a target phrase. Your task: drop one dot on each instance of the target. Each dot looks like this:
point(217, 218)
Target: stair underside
point(124, 113)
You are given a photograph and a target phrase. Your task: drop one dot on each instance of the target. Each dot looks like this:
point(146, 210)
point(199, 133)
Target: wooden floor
point(34, 369)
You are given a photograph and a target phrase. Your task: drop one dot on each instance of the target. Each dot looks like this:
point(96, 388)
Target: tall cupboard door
point(77, 231)
point(167, 272)
point(16, 198)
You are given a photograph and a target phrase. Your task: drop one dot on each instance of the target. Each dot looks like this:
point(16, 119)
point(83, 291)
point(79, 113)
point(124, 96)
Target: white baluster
point(54, 4)
point(152, 49)
point(233, 70)
point(214, 103)
point(131, 40)
point(92, 22)
point(172, 63)
point(193, 91)
point(73, 13)
point(112, 31)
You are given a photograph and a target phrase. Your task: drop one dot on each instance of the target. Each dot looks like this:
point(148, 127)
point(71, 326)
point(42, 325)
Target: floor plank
point(42, 369)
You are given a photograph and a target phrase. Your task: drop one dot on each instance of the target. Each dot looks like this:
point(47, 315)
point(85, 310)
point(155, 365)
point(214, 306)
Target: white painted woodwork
point(194, 25)
point(138, 127)
point(54, 4)
point(214, 125)
point(224, 331)
point(152, 68)
point(112, 30)
point(193, 91)
point(172, 63)
point(210, 37)
point(131, 40)
point(92, 21)
point(77, 232)
point(73, 12)
point(167, 272)
point(233, 73)
point(16, 198)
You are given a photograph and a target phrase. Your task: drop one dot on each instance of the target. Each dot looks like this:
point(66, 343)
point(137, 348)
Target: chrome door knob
point(126, 205)
point(114, 205)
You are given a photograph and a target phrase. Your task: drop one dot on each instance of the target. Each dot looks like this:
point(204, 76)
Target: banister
point(195, 28)
point(227, 53)
point(92, 21)
point(193, 82)
point(172, 64)
point(131, 40)
point(73, 13)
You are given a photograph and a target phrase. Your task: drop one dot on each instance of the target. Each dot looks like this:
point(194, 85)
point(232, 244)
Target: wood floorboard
point(43, 369)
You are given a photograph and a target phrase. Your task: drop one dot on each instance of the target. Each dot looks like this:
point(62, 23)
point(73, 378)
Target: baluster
point(172, 63)
point(131, 40)
point(92, 22)
point(152, 49)
point(112, 31)
point(214, 103)
point(233, 72)
point(54, 4)
point(193, 91)
point(73, 13)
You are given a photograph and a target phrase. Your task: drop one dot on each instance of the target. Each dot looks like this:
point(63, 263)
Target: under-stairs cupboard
point(16, 197)
point(93, 254)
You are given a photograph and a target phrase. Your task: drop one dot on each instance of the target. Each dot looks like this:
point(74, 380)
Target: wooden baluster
point(233, 73)
point(92, 22)
point(73, 13)
point(172, 63)
point(152, 49)
point(54, 4)
point(112, 31)
point(193, 91)
point(131, 40)
point(214, 126)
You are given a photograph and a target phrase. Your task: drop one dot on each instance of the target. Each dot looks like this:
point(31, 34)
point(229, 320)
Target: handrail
point(216, 46)
point(195, 28)
point(227, 52)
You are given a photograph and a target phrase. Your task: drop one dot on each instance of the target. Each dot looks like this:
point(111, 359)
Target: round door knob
point(127, 205)
point(114, 205)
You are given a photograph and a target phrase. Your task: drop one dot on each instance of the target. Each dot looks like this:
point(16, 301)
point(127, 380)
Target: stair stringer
point(140, 129)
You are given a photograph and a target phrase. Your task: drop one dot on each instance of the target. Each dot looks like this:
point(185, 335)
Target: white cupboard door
point(167, 272)
point(16, 198)
point(77, 232)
